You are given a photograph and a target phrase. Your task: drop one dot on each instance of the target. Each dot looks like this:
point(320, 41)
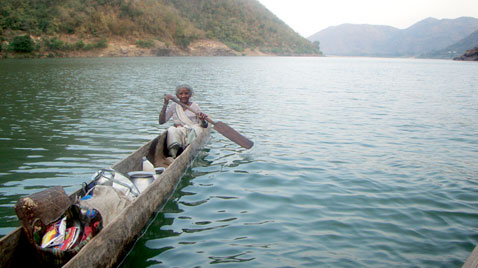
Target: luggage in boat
point(107, 200)
point(142, 179)
point(111, 243)
point(110, 177)
point(40, 209)
point(55, 228)
point(80, 227)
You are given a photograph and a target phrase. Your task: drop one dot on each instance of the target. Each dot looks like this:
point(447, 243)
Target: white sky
point(310, 16)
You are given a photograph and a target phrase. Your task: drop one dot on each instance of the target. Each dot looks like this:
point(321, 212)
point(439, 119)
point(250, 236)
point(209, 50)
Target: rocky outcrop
point(470, 55)
point(210, 48)
point(121, 48)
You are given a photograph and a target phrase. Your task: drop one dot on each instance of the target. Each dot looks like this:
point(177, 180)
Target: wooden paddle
point(224, 129)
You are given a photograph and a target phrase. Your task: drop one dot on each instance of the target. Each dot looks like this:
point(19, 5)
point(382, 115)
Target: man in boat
point(187, 124)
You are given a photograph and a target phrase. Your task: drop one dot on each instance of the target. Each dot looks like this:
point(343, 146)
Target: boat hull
point(109, 246)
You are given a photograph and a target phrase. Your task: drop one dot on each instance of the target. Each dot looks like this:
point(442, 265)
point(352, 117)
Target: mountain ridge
point(455, 50)
point(424, 36)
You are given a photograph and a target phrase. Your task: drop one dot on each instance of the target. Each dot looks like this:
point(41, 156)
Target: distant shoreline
point(70, 46)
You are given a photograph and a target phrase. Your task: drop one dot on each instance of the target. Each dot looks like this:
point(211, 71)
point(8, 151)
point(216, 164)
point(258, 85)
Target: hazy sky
point(310, 16)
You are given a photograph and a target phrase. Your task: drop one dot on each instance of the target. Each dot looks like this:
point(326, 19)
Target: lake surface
point(358, 162)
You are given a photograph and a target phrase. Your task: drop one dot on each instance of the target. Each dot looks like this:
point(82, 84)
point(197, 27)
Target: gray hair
point(186, 86)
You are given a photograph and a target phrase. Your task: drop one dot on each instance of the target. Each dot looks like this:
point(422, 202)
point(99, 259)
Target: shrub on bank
point(102, 43)
point(145, 43)
point(22, 44)
point(55, 44)
point(25, 46)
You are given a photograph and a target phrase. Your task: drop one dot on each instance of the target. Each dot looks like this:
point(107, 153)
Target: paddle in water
point(224, 129)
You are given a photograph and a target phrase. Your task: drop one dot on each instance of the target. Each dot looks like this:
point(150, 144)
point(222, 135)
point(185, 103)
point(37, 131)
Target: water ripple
point(357, 162)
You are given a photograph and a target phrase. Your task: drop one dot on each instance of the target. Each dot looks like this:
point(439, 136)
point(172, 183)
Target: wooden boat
point(472, 261)
point(109, 246)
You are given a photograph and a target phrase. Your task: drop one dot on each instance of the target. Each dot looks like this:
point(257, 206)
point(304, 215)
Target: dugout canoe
point(110, 245)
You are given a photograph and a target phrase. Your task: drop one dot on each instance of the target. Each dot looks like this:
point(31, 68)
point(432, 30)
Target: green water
point(358, 162)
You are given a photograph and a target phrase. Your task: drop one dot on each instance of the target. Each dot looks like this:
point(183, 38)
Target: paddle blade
point(233, 135)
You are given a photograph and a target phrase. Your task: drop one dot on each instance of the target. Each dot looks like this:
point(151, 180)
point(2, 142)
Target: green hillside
point(63, 26)
point(456, 49)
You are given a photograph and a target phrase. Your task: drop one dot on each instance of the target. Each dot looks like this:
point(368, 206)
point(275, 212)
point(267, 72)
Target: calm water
point(358, 162)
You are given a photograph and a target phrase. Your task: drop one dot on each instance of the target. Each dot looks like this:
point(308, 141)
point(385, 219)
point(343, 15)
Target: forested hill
point(152, 27)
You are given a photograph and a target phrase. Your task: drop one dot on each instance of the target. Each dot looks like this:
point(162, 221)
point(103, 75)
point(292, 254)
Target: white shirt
point(171, 112)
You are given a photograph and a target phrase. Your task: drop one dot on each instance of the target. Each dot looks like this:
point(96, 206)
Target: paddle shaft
point(223, 128)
